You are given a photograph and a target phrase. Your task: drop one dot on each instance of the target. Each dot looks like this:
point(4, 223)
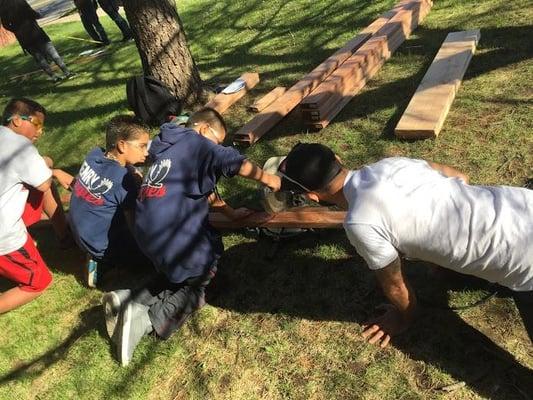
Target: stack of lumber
point(427, 110)
point(221, 102)
point(303, 217)
point(330, 97)
point(403, 17)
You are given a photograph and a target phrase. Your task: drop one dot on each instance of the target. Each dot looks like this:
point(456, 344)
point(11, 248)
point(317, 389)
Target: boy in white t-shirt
point(25, 192)
point(422, 210)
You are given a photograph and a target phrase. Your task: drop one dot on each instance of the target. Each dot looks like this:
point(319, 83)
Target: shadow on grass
point(298, 284)
point(90, 319)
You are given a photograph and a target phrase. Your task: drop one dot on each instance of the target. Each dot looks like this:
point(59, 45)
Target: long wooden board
point(428, 108)
point(305, 217)
point(262, 103)
point(270, 116)
point(384, 42)
point(221, 102)
point(339, 88)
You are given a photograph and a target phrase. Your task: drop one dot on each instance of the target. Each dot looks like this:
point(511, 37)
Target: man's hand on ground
point(379, 330)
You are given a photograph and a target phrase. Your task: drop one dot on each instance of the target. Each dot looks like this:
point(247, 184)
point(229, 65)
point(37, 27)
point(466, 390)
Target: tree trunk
point(162, 45)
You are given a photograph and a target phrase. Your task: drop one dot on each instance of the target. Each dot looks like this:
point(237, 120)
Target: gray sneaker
point(112, 303)
point(134, 324)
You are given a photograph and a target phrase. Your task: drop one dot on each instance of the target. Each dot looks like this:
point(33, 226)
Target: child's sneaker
point(112, 303)
point(91, 270)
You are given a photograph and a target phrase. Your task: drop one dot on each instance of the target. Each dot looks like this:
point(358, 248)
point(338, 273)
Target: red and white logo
point(152, 185)
point(90, 186)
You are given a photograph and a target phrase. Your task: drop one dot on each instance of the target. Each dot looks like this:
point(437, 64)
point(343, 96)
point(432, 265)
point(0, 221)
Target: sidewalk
point(52, 10)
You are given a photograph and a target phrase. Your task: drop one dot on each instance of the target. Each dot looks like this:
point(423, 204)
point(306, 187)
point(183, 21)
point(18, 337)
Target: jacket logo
point(90, 186)
point(152, 185)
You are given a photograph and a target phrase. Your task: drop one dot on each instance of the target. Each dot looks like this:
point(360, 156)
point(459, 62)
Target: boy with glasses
point(103, 200)
point(25, 192)
point(172, 227)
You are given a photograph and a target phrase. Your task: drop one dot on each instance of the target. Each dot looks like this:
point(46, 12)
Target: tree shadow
point(300, 284)
point(90, 319)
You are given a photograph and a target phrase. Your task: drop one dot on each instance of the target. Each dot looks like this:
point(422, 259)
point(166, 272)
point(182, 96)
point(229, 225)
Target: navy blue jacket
point(102, 191)
point(171, 219)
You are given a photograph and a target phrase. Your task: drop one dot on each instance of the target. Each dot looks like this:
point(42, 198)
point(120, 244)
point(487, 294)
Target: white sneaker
point(112, 303)
point(134, 324)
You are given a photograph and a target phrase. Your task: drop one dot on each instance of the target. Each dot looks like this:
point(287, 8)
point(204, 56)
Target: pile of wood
point(370, 48)
point(330, 97)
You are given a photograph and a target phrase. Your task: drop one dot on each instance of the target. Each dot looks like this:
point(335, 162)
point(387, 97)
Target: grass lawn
point(288, 326)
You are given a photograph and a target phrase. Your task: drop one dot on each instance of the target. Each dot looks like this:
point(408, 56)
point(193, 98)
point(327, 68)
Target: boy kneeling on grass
point(25, 192)
point(103, 200)
point(172, 227)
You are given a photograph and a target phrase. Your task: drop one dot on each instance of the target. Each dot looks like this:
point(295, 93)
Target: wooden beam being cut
point(221, 102)
point(262, 103)
point(305, 217)
point(427, 110)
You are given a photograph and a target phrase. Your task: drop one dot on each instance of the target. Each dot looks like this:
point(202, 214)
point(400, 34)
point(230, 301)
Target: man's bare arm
point(448, 171)
point(400, 314)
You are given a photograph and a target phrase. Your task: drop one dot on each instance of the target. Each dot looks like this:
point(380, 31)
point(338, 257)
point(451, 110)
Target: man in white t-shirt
point(404, 207)
point(25, 191)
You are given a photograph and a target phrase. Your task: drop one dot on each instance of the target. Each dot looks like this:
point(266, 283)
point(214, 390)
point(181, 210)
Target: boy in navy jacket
point(104, 196)
point(172, 227)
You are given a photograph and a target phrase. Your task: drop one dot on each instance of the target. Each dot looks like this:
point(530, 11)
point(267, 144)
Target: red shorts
point(26, 267)
point(34, 207)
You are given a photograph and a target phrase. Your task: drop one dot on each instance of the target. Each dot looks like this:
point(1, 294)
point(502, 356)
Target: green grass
point(288, 327)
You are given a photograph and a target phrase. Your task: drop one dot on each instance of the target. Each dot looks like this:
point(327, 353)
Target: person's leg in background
point(41, 61)
point(52, 53)
point(111, 9)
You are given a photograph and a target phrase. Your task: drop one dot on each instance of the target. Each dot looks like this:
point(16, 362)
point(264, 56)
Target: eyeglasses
point(37, 123)
point(142, 146)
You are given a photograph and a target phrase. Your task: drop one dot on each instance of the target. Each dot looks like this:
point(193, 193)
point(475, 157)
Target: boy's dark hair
point(21, 106)
point(209, 116)
point(312, 165)
point(122, 127)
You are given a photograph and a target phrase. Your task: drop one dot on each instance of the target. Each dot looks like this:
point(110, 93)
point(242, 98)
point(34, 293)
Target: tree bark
point(162, 46)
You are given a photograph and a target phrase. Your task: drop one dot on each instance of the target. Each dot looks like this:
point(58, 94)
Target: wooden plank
point(375, 52)
point(270, 116)
point(428, 108)
point(267, 99)
point(384, 43)
point(221, 102)
point(305, 217)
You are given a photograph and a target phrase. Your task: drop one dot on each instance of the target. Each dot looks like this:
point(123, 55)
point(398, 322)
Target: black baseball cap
point(308, 167)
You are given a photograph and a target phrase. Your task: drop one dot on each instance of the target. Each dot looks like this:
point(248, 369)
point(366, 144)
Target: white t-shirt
point(20, 163)
point(403, 206)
